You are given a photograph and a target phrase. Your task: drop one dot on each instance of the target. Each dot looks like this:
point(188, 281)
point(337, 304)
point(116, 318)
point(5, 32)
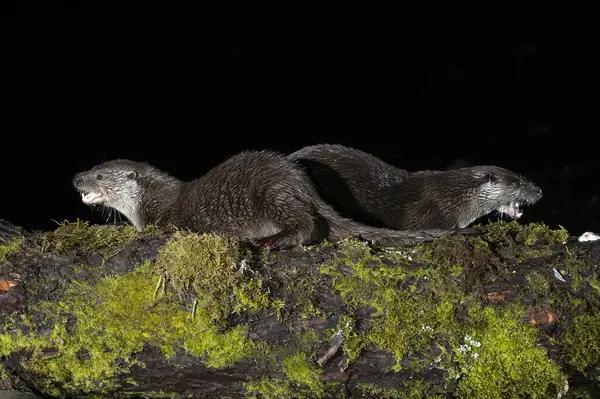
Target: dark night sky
point(420, 92)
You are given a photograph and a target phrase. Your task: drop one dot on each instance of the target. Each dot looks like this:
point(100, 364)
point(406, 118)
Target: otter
point(256, 195)
point(363, 187)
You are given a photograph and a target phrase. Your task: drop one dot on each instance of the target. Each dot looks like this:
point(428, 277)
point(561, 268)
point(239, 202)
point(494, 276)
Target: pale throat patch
point(494, 192)
point(131, 212)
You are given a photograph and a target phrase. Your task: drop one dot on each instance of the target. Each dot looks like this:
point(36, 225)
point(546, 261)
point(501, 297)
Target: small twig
point(160, 278)
point(194, 308)
point(334, 345)
point(343, 364)
point(244, 267)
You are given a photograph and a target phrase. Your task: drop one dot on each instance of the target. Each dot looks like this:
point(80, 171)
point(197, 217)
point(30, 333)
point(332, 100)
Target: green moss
point(209, 265)
point(449, 252)
point(538, 239)
point(414, 311)
point(582, 342)
point(579, 269)
point(303, 374)
point(411, 389)
point(4, 375)
point(299, 286)
point(204, 264)
point(491, 355)
point(272, 388)
point(302, 380)
point(528, 234)
point(353, 341)
point(500, 358)
point(594, 283)
point(82, 236)
point(405, 319)
point(295, 374)
point(533, 233)
point(106, 334)
point(152, 395)
point(573, 266)
point(8, 248)
point(581, 393)
point(93, 337)
point(537, 284)
point(268, 388)
point(252, 297)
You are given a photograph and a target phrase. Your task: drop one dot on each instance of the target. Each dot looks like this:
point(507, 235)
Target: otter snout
point(77, 180)
point(531, 194)
point(537, 191)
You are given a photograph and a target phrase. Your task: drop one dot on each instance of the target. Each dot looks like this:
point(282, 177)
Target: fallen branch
point(108, 312)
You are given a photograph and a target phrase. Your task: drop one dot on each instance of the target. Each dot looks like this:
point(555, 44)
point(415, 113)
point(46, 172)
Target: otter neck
point(156, 201)
point(469, 201)
point(471, 213)
point(479, 204)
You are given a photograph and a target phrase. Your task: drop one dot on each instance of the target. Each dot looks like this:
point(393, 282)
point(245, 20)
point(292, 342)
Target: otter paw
point(266, 243)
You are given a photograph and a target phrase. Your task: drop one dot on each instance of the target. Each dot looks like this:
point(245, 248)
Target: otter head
point(114, 184)
point(505, 191)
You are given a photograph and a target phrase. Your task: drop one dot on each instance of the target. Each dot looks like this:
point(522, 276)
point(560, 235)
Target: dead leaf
point(6, 284)
point(496, 296)
point(542, 317)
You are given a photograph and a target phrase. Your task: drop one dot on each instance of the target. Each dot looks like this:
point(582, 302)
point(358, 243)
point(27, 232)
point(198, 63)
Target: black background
point(186, 88)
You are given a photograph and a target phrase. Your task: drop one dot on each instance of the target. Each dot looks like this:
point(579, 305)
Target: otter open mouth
point(512, 210)
point(91, 198)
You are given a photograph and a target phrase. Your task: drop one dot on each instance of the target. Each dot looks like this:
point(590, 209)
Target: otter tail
point(341, 227)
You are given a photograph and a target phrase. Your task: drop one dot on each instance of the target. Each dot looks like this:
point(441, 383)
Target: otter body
point(256, 195)
point(351, 180)
point(367, 189)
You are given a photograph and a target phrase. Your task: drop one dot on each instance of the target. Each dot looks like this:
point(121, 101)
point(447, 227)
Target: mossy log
point(93, 312)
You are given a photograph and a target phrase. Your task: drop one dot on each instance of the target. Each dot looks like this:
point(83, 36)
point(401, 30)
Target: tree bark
point(324, 321)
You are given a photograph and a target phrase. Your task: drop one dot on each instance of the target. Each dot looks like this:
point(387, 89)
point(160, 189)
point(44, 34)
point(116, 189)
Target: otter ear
point(132, 175)
point(491, 177)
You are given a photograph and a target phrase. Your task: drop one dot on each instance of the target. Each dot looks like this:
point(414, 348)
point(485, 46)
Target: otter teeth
point(513, 210)
point(517, 209)
point(91, 198)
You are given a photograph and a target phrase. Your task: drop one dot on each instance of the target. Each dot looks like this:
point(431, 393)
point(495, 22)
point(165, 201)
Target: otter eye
point(98, 176)
point(132, 175)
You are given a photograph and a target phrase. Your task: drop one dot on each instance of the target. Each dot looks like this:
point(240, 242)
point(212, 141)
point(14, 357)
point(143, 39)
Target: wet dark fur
point(257, 195)
point(364, 188)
